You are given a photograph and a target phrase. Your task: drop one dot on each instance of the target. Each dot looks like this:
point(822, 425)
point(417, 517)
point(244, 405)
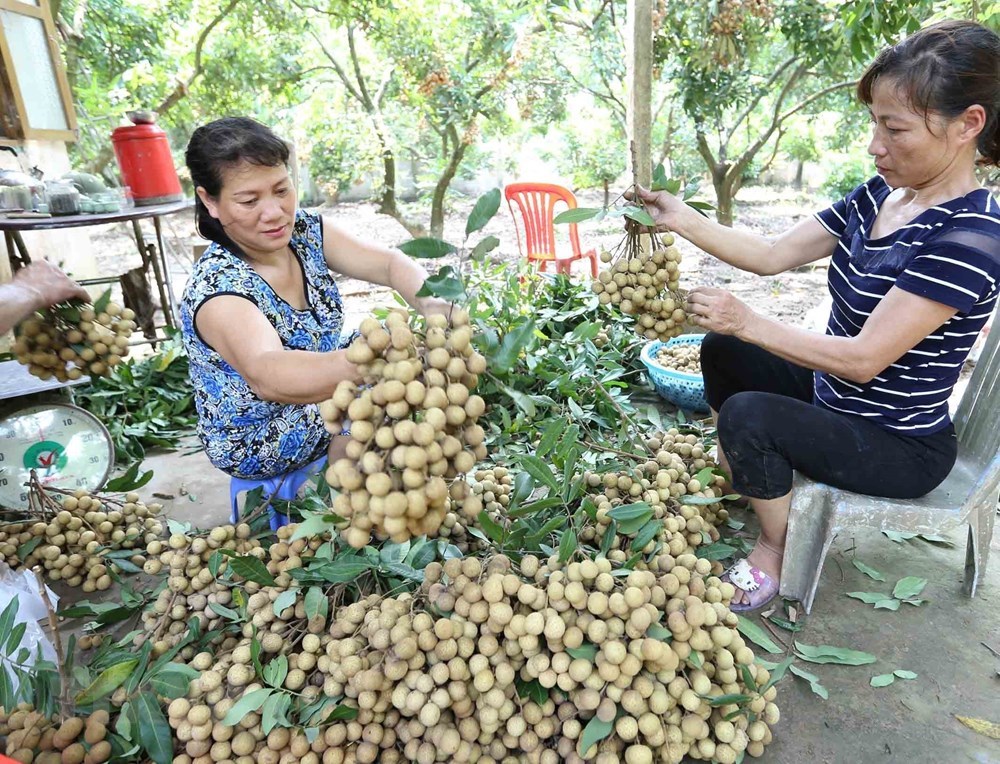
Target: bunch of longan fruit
point(413, 427)
point(70, 543)
point(645, 284)
point(33, 738)
point(69, 340)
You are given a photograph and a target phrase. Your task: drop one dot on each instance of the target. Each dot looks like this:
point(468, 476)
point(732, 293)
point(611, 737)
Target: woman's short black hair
point(224, 143)
point(945, 68)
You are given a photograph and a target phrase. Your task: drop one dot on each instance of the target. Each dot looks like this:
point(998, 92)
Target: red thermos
point(145, 161)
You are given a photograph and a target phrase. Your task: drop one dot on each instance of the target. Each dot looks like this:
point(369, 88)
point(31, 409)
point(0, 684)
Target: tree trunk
point(441, 188)
point(800, 168)
point(607, 192)
point(722, 181)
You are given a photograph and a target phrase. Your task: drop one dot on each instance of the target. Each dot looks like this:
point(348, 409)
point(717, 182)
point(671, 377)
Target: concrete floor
point(909, 721)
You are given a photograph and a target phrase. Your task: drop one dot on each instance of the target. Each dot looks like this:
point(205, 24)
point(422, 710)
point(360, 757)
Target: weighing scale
point(65, 445)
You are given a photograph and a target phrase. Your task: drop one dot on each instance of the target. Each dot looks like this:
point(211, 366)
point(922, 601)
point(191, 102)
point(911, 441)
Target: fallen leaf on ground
point(983, 727)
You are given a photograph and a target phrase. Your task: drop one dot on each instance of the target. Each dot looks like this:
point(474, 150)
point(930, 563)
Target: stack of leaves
point(69, 340)
point(80, 537)
point(413, 427)
point(143, 403)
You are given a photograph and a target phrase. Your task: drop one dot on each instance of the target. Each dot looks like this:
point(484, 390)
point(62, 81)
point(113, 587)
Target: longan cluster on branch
point(645, 284)
point(413, 427)
point(68, 341)
point(73, 533)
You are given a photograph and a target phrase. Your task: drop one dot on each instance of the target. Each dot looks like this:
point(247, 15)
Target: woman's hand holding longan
point(718, 311)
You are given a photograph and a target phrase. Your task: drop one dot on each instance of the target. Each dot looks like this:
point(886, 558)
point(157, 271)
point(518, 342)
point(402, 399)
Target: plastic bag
point(30, 610)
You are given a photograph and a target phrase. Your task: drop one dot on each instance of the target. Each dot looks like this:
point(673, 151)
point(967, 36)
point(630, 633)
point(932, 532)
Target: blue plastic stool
point(284, 487)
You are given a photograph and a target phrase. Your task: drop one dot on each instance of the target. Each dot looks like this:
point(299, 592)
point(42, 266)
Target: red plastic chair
point(536, 203)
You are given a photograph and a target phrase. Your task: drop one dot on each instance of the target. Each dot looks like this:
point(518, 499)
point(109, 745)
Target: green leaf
point(757, 635)
point(784, 623)
point(427, 248)
point(778, 673)
point(522, 401)
point(446, 284)
point(549, 438)
point(402, 570)
point(343, 569)
point(656, 631)
point(274, 712)
point(214, 563)
point(539, 470)
point(492, 528)
point(577, 215)
point(830, 654)
point(276, 671)
point(695, 659)
point(514, 342)
point(586, 651)
point(250, 702)
point(486, 207)
point(484, 247)
point(343, 714)
point(725, 700)
point(899, 537)
point(640, 216)
point(608, 540)
point(317, 605)
point(629, 513)
point(154, 733)
point(532, 690)
point(908, 587)
point(887, 604)
point(173, 680)
point(593, 733)
point(870, 572)
point(107, 682)
point(28, 547)
point(704, 501)
point(868, 597)
point(284, 600)
point(7, 620)
point(250, 568)
point(716, 551)
point(567, 544)
point(904, 674)
point(101, 303)
point(813, 680)
point(882, 680)
point(748, 679)
point(130, 481)
point(646, 534)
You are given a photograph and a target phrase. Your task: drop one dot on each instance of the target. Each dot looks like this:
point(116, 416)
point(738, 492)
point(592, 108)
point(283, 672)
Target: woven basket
point(686, 391)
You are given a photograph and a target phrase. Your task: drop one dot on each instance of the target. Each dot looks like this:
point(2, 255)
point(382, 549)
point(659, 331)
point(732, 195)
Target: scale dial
point(65, 445)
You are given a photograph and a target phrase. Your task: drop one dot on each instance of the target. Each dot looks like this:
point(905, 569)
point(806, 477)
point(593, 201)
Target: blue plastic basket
point(686, 391)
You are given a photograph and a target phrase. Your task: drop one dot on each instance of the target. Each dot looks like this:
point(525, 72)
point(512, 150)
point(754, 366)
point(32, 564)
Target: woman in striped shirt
point(913, 276)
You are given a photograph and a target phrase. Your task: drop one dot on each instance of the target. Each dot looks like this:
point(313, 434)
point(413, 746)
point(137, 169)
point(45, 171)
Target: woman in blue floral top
point(261, 314)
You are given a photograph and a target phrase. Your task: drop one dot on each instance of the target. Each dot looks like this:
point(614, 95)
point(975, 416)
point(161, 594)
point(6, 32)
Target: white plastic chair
point(968, 495)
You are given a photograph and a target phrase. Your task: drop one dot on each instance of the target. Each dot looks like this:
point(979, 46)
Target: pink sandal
point(754, 582)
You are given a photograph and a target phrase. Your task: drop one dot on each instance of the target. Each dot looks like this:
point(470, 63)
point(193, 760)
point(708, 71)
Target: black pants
point(769, 426)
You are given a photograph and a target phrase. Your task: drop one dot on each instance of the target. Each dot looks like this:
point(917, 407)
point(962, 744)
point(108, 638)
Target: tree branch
point(357, 66)
point(182, 87)
point(825, 91)
point(763, 91)
point(337, 68)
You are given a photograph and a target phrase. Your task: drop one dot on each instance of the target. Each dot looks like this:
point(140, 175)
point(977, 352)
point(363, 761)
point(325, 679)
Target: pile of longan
point(70, 543)
point(413, 427)
point(68, 341)
point(683, 358)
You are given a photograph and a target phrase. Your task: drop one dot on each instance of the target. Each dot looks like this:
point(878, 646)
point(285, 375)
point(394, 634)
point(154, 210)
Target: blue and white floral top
point(243, 435)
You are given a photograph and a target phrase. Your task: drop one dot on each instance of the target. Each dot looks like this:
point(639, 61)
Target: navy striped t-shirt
point(949, 253)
